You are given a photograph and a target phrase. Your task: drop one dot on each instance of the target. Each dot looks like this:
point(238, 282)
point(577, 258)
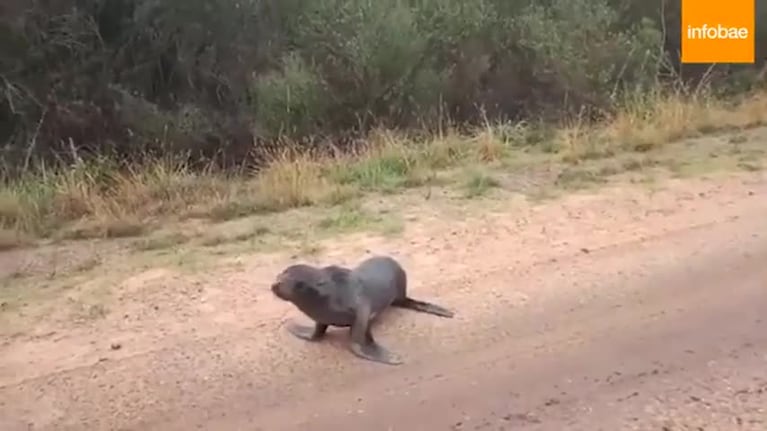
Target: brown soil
point(625, 309)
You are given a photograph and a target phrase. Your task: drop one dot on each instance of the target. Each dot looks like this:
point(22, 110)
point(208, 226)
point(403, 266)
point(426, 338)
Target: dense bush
point(217, 79)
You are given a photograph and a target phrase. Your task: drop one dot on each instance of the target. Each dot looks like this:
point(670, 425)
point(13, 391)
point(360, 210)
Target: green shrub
point(122, 77)
point(292, 101)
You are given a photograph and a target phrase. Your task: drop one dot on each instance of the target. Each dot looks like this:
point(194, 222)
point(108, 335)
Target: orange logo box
point(718, 31)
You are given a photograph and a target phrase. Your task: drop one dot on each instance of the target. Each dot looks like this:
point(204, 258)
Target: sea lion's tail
point(424, 307)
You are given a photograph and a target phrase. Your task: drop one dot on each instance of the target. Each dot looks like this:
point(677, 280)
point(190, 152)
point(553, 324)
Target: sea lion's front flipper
point(362, 343)
point(307, 333)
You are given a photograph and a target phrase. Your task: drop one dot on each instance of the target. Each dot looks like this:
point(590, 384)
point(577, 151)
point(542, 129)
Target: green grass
point(347, 218)
point(160, 242)
point(479, 183)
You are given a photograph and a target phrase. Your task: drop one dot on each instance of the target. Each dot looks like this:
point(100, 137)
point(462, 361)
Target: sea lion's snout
point(280, 290)
point(276, 289)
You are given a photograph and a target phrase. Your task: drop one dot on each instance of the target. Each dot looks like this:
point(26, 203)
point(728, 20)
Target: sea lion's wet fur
point(342, 297)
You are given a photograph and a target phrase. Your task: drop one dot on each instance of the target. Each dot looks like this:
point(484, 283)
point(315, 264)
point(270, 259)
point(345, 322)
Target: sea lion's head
point(296, 283)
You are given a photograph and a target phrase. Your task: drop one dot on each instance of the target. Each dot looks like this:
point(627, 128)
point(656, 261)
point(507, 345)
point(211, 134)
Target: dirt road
point(620, 311)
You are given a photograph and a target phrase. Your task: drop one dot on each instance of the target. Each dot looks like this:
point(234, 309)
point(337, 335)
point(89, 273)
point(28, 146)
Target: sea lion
point(343, 297)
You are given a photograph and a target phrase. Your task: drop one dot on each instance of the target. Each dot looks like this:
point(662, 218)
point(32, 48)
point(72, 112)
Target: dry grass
point(96, 200)
point(652, 120)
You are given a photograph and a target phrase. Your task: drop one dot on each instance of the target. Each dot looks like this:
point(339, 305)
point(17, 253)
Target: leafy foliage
point(210, 78)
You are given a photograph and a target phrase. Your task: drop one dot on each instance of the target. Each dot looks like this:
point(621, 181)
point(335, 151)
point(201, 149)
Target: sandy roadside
point(207, 350)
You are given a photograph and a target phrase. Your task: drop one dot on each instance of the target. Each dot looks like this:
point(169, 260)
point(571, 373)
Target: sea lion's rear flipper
point(362, 343)
point(307, 333)
point(423, 307)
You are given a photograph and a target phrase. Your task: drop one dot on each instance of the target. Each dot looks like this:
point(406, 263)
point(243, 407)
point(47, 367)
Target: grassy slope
point(76, 204)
